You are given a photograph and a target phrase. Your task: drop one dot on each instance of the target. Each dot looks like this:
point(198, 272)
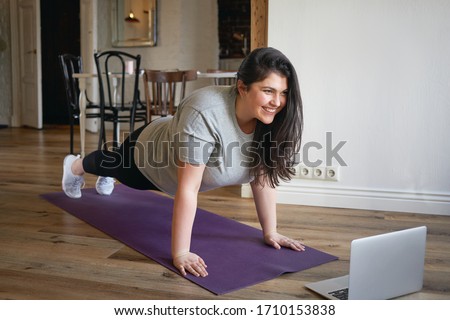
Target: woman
point(219, 136)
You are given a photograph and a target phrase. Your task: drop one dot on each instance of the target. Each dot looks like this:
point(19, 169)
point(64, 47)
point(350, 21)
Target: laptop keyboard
point(341, 294)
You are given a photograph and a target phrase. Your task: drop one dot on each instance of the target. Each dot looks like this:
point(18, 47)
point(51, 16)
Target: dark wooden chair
point(119, 93)
point(71, 64)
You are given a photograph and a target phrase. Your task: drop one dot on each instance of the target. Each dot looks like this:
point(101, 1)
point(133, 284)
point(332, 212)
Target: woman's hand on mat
point(277, 241)
point(192, 263)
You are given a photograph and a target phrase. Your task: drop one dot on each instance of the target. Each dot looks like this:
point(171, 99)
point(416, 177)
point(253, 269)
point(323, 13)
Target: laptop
point(381, 267)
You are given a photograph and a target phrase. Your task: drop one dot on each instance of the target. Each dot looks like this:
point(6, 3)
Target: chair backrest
point(162, 88)
point(118, 89)
point(188, 75)
point(71, 64)
point(223, 80)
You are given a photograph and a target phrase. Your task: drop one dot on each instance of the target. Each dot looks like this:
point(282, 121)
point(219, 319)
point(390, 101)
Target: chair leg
point(115, 135)
point(132, 117)
point(102, 134)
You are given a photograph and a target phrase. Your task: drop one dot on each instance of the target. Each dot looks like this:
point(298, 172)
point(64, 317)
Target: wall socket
point(330, 173)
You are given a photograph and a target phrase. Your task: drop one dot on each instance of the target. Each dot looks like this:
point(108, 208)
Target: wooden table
point(82, 78)
point(217, 75)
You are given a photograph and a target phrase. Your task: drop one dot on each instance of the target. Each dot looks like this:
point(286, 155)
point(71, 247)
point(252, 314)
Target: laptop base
point(325, 287)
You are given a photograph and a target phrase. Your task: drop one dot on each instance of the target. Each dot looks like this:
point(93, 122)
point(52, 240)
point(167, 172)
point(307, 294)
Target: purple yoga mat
point(234, 252)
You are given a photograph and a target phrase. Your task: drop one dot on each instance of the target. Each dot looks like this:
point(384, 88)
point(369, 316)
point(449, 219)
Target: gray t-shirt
point(204, 130)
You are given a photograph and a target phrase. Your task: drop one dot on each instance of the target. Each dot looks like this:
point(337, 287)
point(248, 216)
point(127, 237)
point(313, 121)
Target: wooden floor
point(46, 253)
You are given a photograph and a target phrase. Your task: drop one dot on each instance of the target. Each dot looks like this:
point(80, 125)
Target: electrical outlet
point(332, 173)
point(303, 172)
point(318, 173)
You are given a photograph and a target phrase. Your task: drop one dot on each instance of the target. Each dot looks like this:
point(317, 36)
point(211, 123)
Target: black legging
point(119, 164)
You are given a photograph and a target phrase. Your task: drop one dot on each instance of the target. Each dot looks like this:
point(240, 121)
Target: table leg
point(82, 102)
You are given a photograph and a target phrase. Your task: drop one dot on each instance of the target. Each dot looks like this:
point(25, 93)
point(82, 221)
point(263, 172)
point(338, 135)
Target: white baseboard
point(428, 203)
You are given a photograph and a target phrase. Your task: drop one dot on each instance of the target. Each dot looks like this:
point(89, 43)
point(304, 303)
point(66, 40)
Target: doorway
point(60, 33)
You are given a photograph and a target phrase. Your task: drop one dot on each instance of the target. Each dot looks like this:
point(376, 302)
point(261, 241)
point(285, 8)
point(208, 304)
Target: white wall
point(375, 73)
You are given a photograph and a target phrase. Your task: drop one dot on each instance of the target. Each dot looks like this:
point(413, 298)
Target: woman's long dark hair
point(276, 144)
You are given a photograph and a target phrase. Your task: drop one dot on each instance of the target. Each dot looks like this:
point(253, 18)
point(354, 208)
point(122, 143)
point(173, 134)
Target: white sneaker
point(71, 184)
point(104, 185)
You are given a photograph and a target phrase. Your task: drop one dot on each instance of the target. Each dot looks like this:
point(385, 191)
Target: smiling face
point(261, 101)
